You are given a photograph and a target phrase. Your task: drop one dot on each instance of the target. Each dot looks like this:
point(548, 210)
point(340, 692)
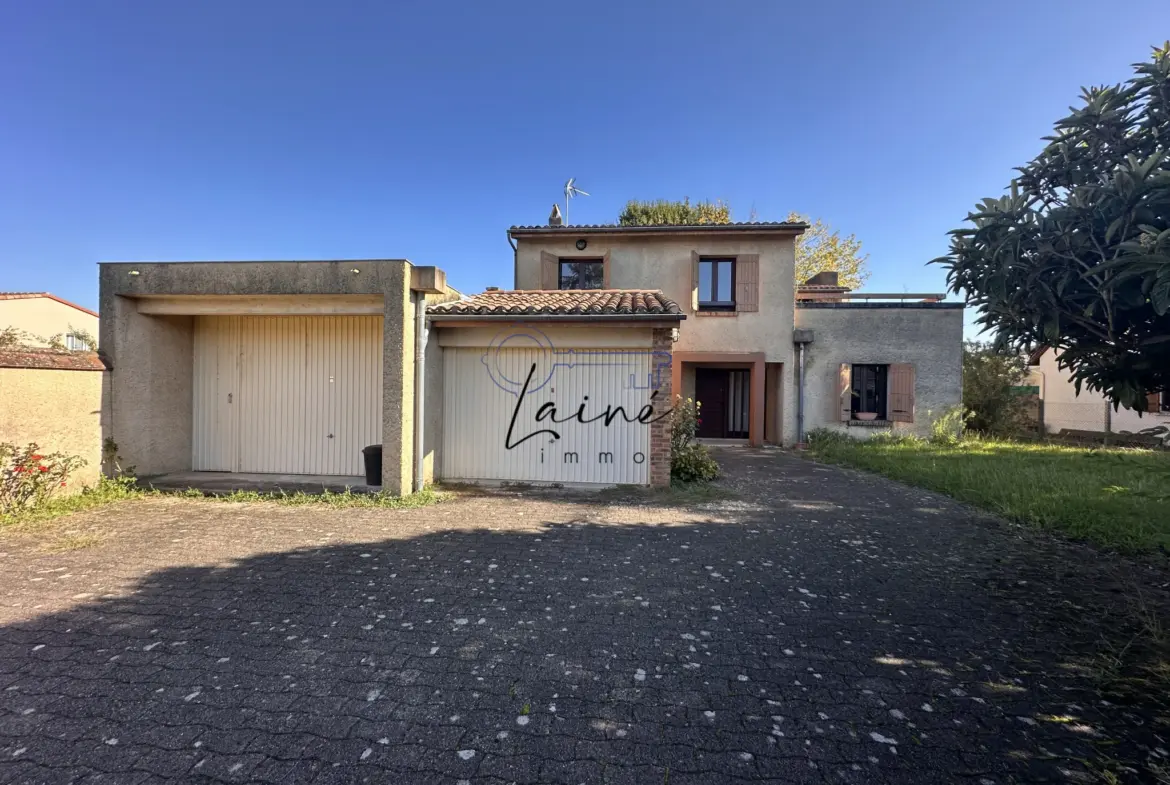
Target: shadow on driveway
point(824, 627)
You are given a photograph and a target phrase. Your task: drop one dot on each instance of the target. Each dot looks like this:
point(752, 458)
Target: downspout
point(801, 337)
point(420, 373)
point(515, 261)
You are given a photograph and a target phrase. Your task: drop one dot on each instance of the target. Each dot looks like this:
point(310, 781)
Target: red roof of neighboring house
point(33, 295)
point(51, 359)
point(568, 302)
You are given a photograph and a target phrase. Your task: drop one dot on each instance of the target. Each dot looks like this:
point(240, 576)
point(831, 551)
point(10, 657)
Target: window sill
point(702, 312)
point(869, 423)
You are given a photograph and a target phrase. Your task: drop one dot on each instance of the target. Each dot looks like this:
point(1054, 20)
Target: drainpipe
point(800, 337)
point(420, 372)
point(515, 261)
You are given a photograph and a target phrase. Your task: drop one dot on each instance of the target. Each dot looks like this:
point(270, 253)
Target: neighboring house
point(293, 367)
point(1064, 409)
point(39, 316)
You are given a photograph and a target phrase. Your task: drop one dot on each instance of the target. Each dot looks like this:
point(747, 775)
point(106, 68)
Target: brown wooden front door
point(724, 395)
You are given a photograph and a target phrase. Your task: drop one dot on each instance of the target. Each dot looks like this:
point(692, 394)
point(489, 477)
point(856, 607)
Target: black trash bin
point(373, 458)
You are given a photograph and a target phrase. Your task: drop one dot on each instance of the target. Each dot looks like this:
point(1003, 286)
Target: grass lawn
point(1115, 497)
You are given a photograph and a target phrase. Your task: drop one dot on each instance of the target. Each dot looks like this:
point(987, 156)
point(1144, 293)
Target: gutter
point(777, 228)
point(556, 317)
point(515, 261)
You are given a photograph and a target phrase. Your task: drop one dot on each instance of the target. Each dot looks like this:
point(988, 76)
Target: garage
point(286, 394)
point(545, 414)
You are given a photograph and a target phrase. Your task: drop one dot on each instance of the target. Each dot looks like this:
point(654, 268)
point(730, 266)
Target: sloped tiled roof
point(33, 295)
point(577, 302)
point(51, 359)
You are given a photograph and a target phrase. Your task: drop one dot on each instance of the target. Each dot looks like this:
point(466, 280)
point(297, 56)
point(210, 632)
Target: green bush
point(689, 462)
point(28, 477)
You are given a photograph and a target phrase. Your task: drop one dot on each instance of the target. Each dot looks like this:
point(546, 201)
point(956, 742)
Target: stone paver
point(823, 626)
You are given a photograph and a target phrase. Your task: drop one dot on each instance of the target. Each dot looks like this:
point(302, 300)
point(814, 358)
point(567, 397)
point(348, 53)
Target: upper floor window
point(717, 284)
point(582, 274)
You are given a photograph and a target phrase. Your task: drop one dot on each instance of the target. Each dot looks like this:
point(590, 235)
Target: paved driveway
point(822, 626)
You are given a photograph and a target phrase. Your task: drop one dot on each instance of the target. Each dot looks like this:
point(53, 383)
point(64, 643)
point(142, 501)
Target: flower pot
point(865, 415)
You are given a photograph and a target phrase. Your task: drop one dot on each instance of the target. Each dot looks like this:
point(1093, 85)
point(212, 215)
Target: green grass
point(108, 491)
point(1118, 498)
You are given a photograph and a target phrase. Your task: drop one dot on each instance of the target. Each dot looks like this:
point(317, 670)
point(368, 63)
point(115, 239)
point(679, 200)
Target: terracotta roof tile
point(576, 302)
point(51, 359)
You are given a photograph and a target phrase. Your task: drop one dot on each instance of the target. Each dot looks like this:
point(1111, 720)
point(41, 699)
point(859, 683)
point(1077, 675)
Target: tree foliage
point(989, 376)
point(1077, 255)
point(663, 212)
point(822, 248)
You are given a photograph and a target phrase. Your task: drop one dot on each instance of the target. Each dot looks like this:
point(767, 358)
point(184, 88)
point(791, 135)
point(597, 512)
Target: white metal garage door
point(489, 425)
point(286, 394)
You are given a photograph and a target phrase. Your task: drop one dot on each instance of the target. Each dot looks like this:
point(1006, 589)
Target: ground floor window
point(869, 390)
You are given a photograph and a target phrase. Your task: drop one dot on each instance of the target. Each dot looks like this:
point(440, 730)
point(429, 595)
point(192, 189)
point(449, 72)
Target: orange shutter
point(747, 282)
point(550, 272)
point(694, 280)
point(901, 385)
point(843, 402)
point(1153, 402)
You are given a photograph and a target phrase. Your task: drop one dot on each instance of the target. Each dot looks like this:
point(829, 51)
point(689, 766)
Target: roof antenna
point(571, 191)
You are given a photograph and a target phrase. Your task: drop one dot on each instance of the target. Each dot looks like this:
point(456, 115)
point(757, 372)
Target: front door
point(724, 395)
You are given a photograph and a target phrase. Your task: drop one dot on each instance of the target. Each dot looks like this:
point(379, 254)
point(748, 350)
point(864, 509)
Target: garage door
point(543, 415)
point(286, 394)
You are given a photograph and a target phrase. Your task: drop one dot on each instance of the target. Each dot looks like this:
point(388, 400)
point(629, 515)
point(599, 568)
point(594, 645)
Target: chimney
point(824, 278)
point(492, 289)
point(554, 219)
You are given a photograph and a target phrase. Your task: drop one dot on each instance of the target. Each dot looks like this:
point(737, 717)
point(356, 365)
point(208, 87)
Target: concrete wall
point(42, 317)
point(148, 409)
point(929, 336)
point(1089, 411)
point(59, 410)
point(665, 262)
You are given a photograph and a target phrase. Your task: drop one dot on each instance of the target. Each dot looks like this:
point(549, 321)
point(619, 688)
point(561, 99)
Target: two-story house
point(627, 317)
point(290, 369)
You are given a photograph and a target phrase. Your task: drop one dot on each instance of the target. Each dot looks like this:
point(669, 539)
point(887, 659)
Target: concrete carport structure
point(273, 367)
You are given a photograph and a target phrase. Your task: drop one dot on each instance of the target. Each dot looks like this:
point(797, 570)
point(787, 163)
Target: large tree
point(819, 249)
point(1077, 255)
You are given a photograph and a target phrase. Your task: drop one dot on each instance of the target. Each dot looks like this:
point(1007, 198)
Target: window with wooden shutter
point(694, 280)
point(549, 271)
point(901, 400)
point(747, 282)
point(842, 404)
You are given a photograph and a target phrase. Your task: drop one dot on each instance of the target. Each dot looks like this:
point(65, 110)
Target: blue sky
point(295, 130)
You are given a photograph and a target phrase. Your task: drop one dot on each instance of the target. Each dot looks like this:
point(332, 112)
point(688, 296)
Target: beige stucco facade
point(1064, 408)
point(927, 336)
point(59, 410)
point(664, 262)
point(147, 331)
point(39, 317)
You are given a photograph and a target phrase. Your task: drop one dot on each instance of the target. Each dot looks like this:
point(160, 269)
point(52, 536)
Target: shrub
point(28, 477)
point(989, 378)
point(689, 462)
point(825, 437)
point(948, 427)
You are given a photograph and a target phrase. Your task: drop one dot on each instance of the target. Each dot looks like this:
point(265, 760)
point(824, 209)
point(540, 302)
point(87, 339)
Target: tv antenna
point(571, 191)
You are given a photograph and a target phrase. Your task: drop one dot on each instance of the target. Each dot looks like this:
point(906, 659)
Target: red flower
point(35, 457)
point(44, 468)
point(62, 485)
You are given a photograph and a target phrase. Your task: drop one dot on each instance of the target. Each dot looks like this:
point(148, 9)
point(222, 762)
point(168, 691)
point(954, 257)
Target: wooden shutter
point(1153, 402)
point(694, 281)
point(842, 403)
point(550, 271)
point(605, 269)
point(747, 282)
point(901, 386)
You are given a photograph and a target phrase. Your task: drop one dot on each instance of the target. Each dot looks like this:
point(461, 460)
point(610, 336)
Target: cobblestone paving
point(823, 626)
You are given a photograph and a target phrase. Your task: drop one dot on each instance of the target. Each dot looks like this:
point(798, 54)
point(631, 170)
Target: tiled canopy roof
point(587, 302)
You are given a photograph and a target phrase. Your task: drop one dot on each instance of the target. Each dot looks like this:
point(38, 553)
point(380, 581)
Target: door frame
point(753, 360)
